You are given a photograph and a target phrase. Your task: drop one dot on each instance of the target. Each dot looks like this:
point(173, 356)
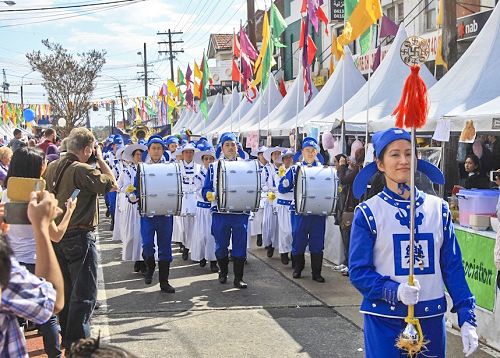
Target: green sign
point(480, 269)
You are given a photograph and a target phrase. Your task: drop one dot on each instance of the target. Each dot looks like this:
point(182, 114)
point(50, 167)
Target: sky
point(121, 30)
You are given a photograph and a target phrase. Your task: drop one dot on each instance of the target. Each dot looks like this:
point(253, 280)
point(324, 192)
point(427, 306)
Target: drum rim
point(221, 183)
point(299, 209)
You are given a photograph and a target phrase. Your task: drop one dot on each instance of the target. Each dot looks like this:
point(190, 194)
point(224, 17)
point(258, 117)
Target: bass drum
point(315, 190)
point(238, 186)
point(160, 189)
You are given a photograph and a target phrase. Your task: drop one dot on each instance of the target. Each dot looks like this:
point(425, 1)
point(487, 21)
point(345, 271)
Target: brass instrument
point(140, 131)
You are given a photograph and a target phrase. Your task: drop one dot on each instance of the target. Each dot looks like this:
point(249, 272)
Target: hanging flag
point(278, 25)
point(236, 46)
point(311, 50)
point(246, 46)
point(441, 52)
point(235, 72)
point(198, 75)
point(377, 58)
point(282, 88)
point(180, 77)
point(306, 67)
point(264, 60)
point(204, 92)
point(333, 54)
point(188, 75)
point(365, 14)
point(387, 27)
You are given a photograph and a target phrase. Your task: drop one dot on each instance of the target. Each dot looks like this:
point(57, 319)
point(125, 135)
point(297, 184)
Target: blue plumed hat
point(229, 136)
point(309, 142)
point(171, 139)
point(380, 141)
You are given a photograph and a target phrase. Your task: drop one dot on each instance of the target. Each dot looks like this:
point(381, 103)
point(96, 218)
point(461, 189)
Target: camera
point(494, 175)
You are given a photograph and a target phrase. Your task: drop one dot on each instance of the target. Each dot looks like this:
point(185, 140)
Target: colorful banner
point(480, 269)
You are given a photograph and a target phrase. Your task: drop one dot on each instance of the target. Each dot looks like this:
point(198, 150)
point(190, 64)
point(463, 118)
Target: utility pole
point(123, 111)
point(112, 116)
point(251, 22)
point(145, 72)
point(450, 32)
point(171, 52)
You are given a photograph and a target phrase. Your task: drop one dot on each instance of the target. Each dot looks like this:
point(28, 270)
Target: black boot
point(203, 263)
point(185, 253)
point(298, 263)
point(112, 226)
point(239, 265)
point(143, 268)
point(270, 251)
point(284, 258)
point(137, 266)
point(316, 265)
point(223, 269)
point(259, 240)
point(230, 255)
point(150, 269)
point(213, 266)
point(164, 271)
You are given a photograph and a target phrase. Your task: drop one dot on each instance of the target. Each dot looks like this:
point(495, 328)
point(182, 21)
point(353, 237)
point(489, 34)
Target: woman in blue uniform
point(379, 256)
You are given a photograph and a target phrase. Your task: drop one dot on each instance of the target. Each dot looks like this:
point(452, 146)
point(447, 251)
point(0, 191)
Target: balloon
point(61, 122)
point(28, 114)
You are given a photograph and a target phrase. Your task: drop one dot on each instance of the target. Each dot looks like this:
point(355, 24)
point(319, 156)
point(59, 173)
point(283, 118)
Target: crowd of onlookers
point(48, 265)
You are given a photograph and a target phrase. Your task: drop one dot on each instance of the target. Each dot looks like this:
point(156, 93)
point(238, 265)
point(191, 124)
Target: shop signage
point(470, 26)
point(319, 81)
point(337, 10)
point(495, 123)
point(479, 266)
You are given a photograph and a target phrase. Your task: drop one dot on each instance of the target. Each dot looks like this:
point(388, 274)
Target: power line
point(184, 13)
point(70, 6)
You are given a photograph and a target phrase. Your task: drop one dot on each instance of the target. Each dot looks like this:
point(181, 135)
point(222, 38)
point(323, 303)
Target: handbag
point(347, 215)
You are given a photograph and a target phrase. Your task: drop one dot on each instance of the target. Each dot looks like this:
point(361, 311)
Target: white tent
point(268, 101)
point(198, 122)
point(329, 99)
point(384, 88)
point(238, 113)
point(486, 117)
point(183, 119)
point(286, 110)
point(473, 80)
point(221, 119)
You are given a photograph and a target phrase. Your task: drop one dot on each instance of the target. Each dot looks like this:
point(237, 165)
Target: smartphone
point(494, 174)
point(75, 193)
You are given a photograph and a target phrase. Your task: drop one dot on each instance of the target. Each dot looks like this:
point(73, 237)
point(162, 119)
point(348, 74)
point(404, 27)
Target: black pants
point(345, 233)
point(77, 256)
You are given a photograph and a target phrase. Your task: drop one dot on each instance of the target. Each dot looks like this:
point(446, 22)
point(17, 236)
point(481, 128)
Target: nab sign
point(468, 27)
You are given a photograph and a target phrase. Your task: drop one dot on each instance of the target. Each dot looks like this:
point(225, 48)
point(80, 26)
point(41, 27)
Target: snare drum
point(160, 188)
point(315, 190)
point(189, 203)
point(238, 185)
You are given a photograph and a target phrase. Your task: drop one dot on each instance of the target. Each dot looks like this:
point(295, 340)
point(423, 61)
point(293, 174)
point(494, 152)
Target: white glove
point(409, 294)
point(469, 338)
point(132, 197)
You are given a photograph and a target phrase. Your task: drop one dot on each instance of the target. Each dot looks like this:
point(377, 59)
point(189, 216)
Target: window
point(391, 13)
point(430, 14)
point(401, 12)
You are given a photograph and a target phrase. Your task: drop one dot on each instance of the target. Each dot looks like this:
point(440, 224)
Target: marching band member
point(172, 143)
point(159, 225)
point(203, 242)
point(379, 258)
point(255, 220)
point(117, 169)
point(227, 226)
point(188, 170)
point(307, 230)
point(112, 162)
point(283, 207)
point(269, 188)
point(131, 240)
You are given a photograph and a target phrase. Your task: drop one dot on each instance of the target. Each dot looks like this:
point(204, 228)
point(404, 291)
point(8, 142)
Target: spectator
point(93, 347)
point(5, 157)
point(32, 143)
point(76, 251)
point(30, 163)
point(49, 138)
point(52, 153)
point(475, 179)
point(27, 295)
point(495, 150)
point(346, 172)
point(16, 142)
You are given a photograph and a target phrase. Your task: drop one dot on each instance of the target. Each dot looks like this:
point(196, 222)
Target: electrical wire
point(70, 6)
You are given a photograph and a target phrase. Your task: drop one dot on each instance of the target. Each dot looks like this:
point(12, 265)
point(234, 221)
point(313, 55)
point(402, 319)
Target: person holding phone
point(30, 163)
point(76, 252)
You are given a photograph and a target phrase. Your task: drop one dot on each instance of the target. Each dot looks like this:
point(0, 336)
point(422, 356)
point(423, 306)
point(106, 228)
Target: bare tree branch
point(68, 80)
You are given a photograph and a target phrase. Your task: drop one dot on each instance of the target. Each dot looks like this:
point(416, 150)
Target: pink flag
point(246, 46)
point(376, 59)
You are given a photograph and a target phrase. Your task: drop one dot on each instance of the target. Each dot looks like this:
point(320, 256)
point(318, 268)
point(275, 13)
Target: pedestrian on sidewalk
point(76, 252)
point(378, 260)
point(307, 230)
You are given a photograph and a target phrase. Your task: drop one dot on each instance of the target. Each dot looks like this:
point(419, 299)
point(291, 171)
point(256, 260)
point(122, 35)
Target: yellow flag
point(197, 71)
point(365, 14)
point(172, 88)
point(439, 20)
point(439, 53)
point(171, 103)
point(266, 35)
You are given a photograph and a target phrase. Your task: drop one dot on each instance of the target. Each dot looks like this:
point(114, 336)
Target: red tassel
point(414, 105)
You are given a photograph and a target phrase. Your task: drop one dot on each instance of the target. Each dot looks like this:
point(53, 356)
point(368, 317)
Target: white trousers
point(203, 242)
